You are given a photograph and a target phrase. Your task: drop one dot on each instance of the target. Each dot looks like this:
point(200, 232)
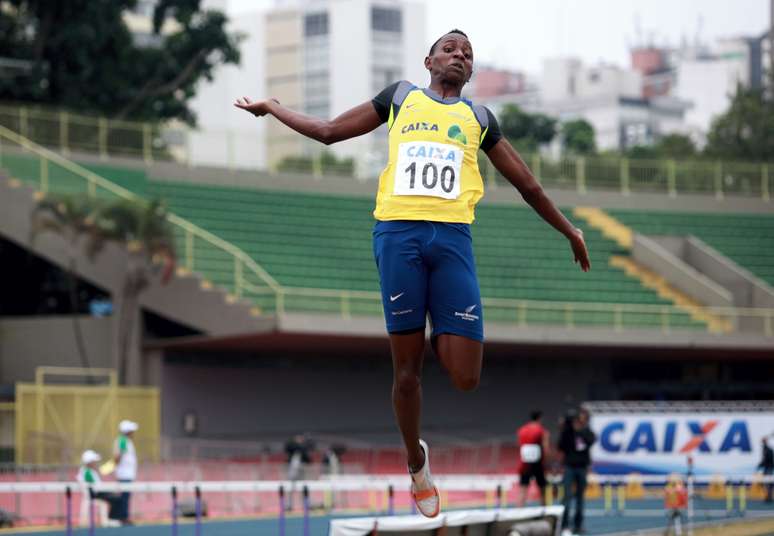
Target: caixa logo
point(662, 437)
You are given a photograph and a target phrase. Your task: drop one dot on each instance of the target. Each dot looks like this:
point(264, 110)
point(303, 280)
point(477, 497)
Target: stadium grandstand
point(227, 322)
point(271, 326)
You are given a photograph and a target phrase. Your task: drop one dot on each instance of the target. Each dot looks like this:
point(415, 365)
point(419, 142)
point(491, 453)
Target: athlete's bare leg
point(407, 356)
point(462, 358)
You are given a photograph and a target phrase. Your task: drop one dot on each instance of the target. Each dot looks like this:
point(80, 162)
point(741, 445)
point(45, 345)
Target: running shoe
point(423, 489)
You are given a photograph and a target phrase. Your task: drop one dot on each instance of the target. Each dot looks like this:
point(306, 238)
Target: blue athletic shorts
point(428, 267)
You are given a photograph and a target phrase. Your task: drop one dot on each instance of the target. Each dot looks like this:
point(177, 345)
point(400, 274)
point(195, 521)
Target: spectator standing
point(125, 458)
point(767, 465)
point(297, 450)
point(575, 444)
point(533, 444)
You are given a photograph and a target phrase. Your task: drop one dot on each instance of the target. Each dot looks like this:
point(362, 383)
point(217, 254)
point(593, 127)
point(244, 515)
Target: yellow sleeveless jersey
point(432, 172)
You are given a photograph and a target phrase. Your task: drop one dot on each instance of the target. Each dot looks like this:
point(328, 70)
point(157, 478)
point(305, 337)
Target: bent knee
point(466, 382)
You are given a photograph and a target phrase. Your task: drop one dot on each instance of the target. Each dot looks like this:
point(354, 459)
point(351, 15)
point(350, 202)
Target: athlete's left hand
point(578, 245)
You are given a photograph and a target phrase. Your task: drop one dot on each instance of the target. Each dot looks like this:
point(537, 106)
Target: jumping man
point(424, 207)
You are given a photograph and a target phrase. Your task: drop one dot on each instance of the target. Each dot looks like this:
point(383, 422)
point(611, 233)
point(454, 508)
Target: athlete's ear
point(428, 63)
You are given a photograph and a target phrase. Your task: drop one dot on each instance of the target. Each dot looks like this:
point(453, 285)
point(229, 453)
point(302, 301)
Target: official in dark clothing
point(298, 450)
point(575, 443)
point(767, 465)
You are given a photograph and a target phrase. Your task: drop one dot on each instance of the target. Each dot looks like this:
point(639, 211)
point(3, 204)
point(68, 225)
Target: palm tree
point(139, 225)
point(144, 228)
point(70, 217)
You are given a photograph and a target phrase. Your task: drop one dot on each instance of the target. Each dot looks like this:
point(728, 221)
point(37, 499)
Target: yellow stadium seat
point(716, 488)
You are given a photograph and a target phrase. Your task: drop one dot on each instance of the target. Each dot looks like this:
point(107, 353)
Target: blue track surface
point(641, 514)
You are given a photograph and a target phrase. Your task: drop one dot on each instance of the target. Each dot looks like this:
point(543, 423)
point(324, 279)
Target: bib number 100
point(430, 176)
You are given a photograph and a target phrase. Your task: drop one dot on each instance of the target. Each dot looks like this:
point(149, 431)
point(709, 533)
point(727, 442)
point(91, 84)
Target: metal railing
point(525, 313)
point(627, 176)
point(247, 279)
point(68, 132)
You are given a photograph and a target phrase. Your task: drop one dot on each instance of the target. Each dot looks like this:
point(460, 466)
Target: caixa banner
point(648, 443)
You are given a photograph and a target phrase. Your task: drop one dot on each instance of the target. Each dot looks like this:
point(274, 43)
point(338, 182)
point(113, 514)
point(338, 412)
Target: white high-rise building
point(324, 57)
point(226, 136)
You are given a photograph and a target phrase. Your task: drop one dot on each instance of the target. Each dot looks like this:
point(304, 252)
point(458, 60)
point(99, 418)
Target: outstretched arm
point(359, 120)
point(508, 162)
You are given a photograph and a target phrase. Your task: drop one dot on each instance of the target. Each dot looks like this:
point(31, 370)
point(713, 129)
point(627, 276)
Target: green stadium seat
point(318, 241)
point(747, 239)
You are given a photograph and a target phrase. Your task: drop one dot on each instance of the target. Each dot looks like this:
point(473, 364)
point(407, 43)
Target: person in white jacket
point(125, 458)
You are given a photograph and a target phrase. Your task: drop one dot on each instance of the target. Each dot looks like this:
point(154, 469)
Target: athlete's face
point(452, 59)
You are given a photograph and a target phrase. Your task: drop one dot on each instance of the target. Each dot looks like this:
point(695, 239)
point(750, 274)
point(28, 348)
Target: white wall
point(709, 85)
point(608, 80)
point(568, 78)
point(555, 78)
point(605, 119)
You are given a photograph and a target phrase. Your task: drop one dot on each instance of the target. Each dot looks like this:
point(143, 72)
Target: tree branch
point(149, 91)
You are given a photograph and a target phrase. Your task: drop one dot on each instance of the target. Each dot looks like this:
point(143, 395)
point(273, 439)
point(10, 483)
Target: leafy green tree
point(675, 146)
point(344, 167)
point(746, 130)
point(578, 137)
point(648, 152)
point(670, 146)
point(296, 164)
point(143, 228)
point(80, 55)
point(526, 131)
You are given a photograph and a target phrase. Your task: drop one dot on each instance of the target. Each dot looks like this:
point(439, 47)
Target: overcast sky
point(520, 33)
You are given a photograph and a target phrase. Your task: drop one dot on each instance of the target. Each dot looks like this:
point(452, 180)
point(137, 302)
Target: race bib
point(530, 453)
point(428, 168)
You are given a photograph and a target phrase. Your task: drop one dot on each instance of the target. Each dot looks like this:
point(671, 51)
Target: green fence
point(67, 132)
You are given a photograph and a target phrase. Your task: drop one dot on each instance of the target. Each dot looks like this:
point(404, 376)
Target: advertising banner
point(663, 443)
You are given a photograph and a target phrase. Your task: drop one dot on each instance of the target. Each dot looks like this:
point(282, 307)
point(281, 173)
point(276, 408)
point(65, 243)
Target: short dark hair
point(454, 31)
point(535, 415)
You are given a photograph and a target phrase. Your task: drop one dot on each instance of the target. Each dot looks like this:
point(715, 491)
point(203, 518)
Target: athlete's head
point(451, 58)
point(536, 415)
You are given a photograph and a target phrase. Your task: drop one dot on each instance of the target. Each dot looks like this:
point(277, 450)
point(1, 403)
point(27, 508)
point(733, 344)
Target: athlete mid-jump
point(422, 242)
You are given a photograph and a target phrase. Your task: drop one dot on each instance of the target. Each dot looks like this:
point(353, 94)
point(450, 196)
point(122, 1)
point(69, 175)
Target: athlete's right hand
point(257, 108)
point(579, 250)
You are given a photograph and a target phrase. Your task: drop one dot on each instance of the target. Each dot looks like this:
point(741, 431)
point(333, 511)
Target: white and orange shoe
point(423, 490)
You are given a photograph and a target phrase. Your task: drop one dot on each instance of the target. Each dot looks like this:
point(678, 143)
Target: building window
point(386, 19)
point(316, 24)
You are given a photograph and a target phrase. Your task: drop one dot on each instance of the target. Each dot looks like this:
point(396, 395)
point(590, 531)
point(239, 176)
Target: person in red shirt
point(675, 504)
point(533, 441)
